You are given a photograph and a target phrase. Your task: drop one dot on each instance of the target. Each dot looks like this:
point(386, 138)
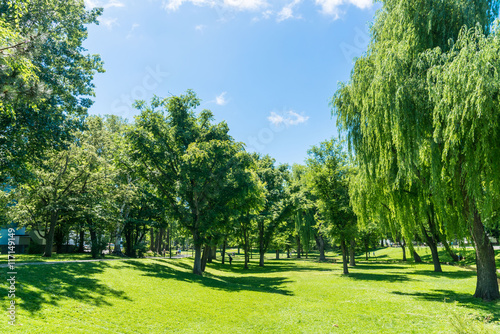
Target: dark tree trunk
point(223, 255)
point(50, 236)
point(197, 255)
point(277, 254)
point(487, 281)
point(298, 247)
point(403, 246)
point(81, 243)
point(152, 237)
point(94, 243)
point(288, 253)
point(344, 256)
point(431, 242)
point(382, 243)
point(321, 246)
point(352, 249)
point(204, 258)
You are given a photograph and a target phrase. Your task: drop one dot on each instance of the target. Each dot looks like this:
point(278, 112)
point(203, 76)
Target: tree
point(395, 107)
point(276, 208)
point(329, 176)
point(45, 79)
point(189, 160)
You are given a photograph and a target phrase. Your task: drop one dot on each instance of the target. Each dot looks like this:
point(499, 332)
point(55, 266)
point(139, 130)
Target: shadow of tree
point(182, 271)
point(37, 286)
point(380, 277)
point(463, 299)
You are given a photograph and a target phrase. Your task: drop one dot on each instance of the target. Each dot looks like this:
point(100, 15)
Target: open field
point(286, 296)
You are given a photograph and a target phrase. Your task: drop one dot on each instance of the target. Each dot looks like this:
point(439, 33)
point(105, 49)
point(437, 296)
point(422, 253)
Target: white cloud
point(173, 5)
point(287, 11)
point(105, 5)
point(331, 7)
point(220, 99)
point(109, 22)
point(288, 118)
point(245, 4)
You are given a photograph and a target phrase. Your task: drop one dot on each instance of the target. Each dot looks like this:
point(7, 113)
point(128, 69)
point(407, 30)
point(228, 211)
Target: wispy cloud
point(221, 99)
point(287, 118)
point(246, 4)
point(103, 4)
point(109, 22)
point(332, 7)
point(240, 5)
point(287, 11)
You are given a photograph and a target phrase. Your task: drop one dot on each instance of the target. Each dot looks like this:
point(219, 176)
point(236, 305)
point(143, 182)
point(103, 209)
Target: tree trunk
point(197, 255)
point(277, 254)
point(94, 243)
point(205, 257)
point(288, 253)
point(344, 256)
point(352, 260)
point(403, 246)
point(321, 246)
point(487, 281)
point(298, 246)
point(50, 236)
point(152, 237)
point(431, 242)
point(81, 243)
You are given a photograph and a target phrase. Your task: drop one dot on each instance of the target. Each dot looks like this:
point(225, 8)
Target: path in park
point(4, 265)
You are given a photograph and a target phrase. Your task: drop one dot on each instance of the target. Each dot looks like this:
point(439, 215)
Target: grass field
point(286, 296)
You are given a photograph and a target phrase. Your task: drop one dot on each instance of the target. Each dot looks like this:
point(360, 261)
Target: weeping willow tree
point(412, 115)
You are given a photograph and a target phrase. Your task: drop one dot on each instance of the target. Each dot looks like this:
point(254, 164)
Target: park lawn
point(286, 296)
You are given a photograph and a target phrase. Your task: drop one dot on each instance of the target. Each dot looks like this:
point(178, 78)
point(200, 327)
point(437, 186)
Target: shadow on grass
point(37, 286)
point(177, 270)
point(380, 277)
point(463, 299)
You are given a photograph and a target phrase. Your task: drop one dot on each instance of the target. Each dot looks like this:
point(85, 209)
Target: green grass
point(286, 296)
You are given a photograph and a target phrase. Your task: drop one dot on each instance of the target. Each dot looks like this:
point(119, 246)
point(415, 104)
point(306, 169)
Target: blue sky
point(267, 68)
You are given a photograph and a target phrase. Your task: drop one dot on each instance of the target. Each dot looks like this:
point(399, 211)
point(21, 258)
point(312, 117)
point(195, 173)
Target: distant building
point(22, 239)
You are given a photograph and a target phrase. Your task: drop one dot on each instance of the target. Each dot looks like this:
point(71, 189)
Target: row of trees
point(421, 114)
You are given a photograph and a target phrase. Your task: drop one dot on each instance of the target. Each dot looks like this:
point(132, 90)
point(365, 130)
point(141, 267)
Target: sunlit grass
point(286, 296)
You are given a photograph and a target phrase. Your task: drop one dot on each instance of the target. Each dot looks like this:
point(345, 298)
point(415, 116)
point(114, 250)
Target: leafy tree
point(276, 208)
point(189, 160)
point(45, 78)
point(394, 111)
point(330, 171)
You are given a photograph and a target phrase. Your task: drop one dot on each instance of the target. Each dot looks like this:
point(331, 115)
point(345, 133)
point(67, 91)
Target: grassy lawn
point(286, 296)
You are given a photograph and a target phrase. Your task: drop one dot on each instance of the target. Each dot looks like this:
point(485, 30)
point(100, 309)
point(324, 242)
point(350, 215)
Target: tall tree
point(394, 122)
point(329, 176)
point(189, 160)
point(45, 78)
